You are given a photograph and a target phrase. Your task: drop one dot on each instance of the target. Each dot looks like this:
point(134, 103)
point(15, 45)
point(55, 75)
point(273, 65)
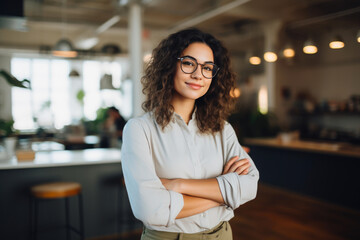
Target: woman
point(184, 170)
point(112, 129)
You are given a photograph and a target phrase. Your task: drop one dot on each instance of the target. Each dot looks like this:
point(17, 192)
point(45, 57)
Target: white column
point(271, 31)
point(5, 90)
point(135, 51)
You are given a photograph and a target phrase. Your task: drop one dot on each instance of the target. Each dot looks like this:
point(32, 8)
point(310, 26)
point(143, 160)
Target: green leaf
point(13, 81)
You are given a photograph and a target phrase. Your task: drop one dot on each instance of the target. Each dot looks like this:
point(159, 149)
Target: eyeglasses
point(189, 65)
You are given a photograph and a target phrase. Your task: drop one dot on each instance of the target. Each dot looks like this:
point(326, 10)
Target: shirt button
point(204, 214)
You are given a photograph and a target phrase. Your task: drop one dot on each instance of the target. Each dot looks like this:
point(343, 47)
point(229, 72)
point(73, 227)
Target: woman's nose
point(197, 74)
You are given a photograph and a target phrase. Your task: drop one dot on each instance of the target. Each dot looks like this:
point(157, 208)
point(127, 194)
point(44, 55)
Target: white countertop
point(65, 158)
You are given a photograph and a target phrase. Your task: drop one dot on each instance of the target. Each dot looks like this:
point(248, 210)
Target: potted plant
point(7, 131)
point(13, 81)
point(6, 128)
point(7, 134)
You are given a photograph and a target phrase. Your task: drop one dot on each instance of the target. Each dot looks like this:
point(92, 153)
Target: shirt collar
point(176, 116)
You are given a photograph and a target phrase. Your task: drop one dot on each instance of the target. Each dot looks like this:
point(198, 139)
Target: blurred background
point(64, 63)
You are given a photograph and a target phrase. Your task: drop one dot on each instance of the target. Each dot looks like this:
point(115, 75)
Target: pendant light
point(235, 92)
point(64, 48)
point(270, 56)
point(74, 73)
point(288, 51)
point(336, 43)
point(106, 82)
point(253, 57)
point(254, 60)
point(310, 47)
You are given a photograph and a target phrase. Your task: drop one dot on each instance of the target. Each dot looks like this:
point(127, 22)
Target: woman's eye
point(188, 63)
point(208, 68)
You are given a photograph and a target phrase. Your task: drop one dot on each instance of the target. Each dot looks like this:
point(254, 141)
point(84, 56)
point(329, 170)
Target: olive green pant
point(220, 232)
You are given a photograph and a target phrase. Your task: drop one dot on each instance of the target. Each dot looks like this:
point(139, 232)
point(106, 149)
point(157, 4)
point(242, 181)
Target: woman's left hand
point(240, 166)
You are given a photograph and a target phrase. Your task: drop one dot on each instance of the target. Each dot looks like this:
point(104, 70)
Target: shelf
point(315, 114)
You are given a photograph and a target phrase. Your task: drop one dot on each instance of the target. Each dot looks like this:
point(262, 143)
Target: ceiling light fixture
point(336, 43)
point(289, 51)
point(74, 73)
point(255, 60)
point(64, 48)
point(310, 47)
point(235, 92)
point(106, 82)
point(147, 57)
point(270, 56)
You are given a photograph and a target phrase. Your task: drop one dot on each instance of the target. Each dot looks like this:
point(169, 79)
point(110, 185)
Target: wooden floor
point(282, 215)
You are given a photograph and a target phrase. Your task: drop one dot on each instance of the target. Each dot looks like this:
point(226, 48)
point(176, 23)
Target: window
point(52, 102)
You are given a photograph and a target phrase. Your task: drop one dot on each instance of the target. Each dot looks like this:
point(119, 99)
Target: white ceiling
point(241, 26)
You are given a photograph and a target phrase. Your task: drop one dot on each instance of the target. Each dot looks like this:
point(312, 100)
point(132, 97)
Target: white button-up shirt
point(181, 151)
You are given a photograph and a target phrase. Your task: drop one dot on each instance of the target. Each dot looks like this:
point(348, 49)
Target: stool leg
point(117, 211)
point(36, 209)
point(31, 218)
point(81, 217)
point(68, 233)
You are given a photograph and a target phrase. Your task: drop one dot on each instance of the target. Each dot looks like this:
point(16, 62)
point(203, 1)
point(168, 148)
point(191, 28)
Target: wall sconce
point(336, 43)
point(310, 47)
point(270, 56)
point(358, 36)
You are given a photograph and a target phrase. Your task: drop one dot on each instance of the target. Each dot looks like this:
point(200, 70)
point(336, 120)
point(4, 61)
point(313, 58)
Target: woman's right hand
point(241, 167)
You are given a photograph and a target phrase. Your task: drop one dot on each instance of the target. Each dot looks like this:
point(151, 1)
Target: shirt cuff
point(227, 185)
point(176, 204)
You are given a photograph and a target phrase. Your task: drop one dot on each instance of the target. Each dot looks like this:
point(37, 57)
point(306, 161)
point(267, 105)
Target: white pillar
point(5, 90)
point(135, 51)
point(271, 31)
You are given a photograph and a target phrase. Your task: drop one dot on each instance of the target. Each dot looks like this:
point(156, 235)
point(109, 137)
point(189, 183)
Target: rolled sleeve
point(237, 189)
point(150, 201)
point(177, 203)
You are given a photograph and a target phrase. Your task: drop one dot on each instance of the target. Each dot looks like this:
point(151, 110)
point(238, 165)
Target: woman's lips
point(194, 85)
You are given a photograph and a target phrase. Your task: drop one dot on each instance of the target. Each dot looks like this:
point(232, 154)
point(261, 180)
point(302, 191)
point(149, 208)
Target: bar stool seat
point(57, 190)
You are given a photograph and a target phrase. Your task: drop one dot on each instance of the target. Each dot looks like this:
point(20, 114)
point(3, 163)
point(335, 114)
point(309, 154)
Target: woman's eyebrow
point(188, 56)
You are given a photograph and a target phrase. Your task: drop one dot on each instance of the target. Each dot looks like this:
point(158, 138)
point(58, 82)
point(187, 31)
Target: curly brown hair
point(214, 107)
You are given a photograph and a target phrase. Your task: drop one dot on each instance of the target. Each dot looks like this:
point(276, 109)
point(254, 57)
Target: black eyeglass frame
point(197, 65)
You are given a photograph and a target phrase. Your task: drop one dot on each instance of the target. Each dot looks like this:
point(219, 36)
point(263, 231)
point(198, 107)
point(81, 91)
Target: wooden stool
point(57, 190)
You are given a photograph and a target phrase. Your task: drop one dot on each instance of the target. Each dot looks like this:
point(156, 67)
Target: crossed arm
point(202, 194)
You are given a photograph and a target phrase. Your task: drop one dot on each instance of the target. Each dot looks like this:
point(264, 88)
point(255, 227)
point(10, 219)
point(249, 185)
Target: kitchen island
point(327, 171)
point(97, 170)
point(64, 158)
